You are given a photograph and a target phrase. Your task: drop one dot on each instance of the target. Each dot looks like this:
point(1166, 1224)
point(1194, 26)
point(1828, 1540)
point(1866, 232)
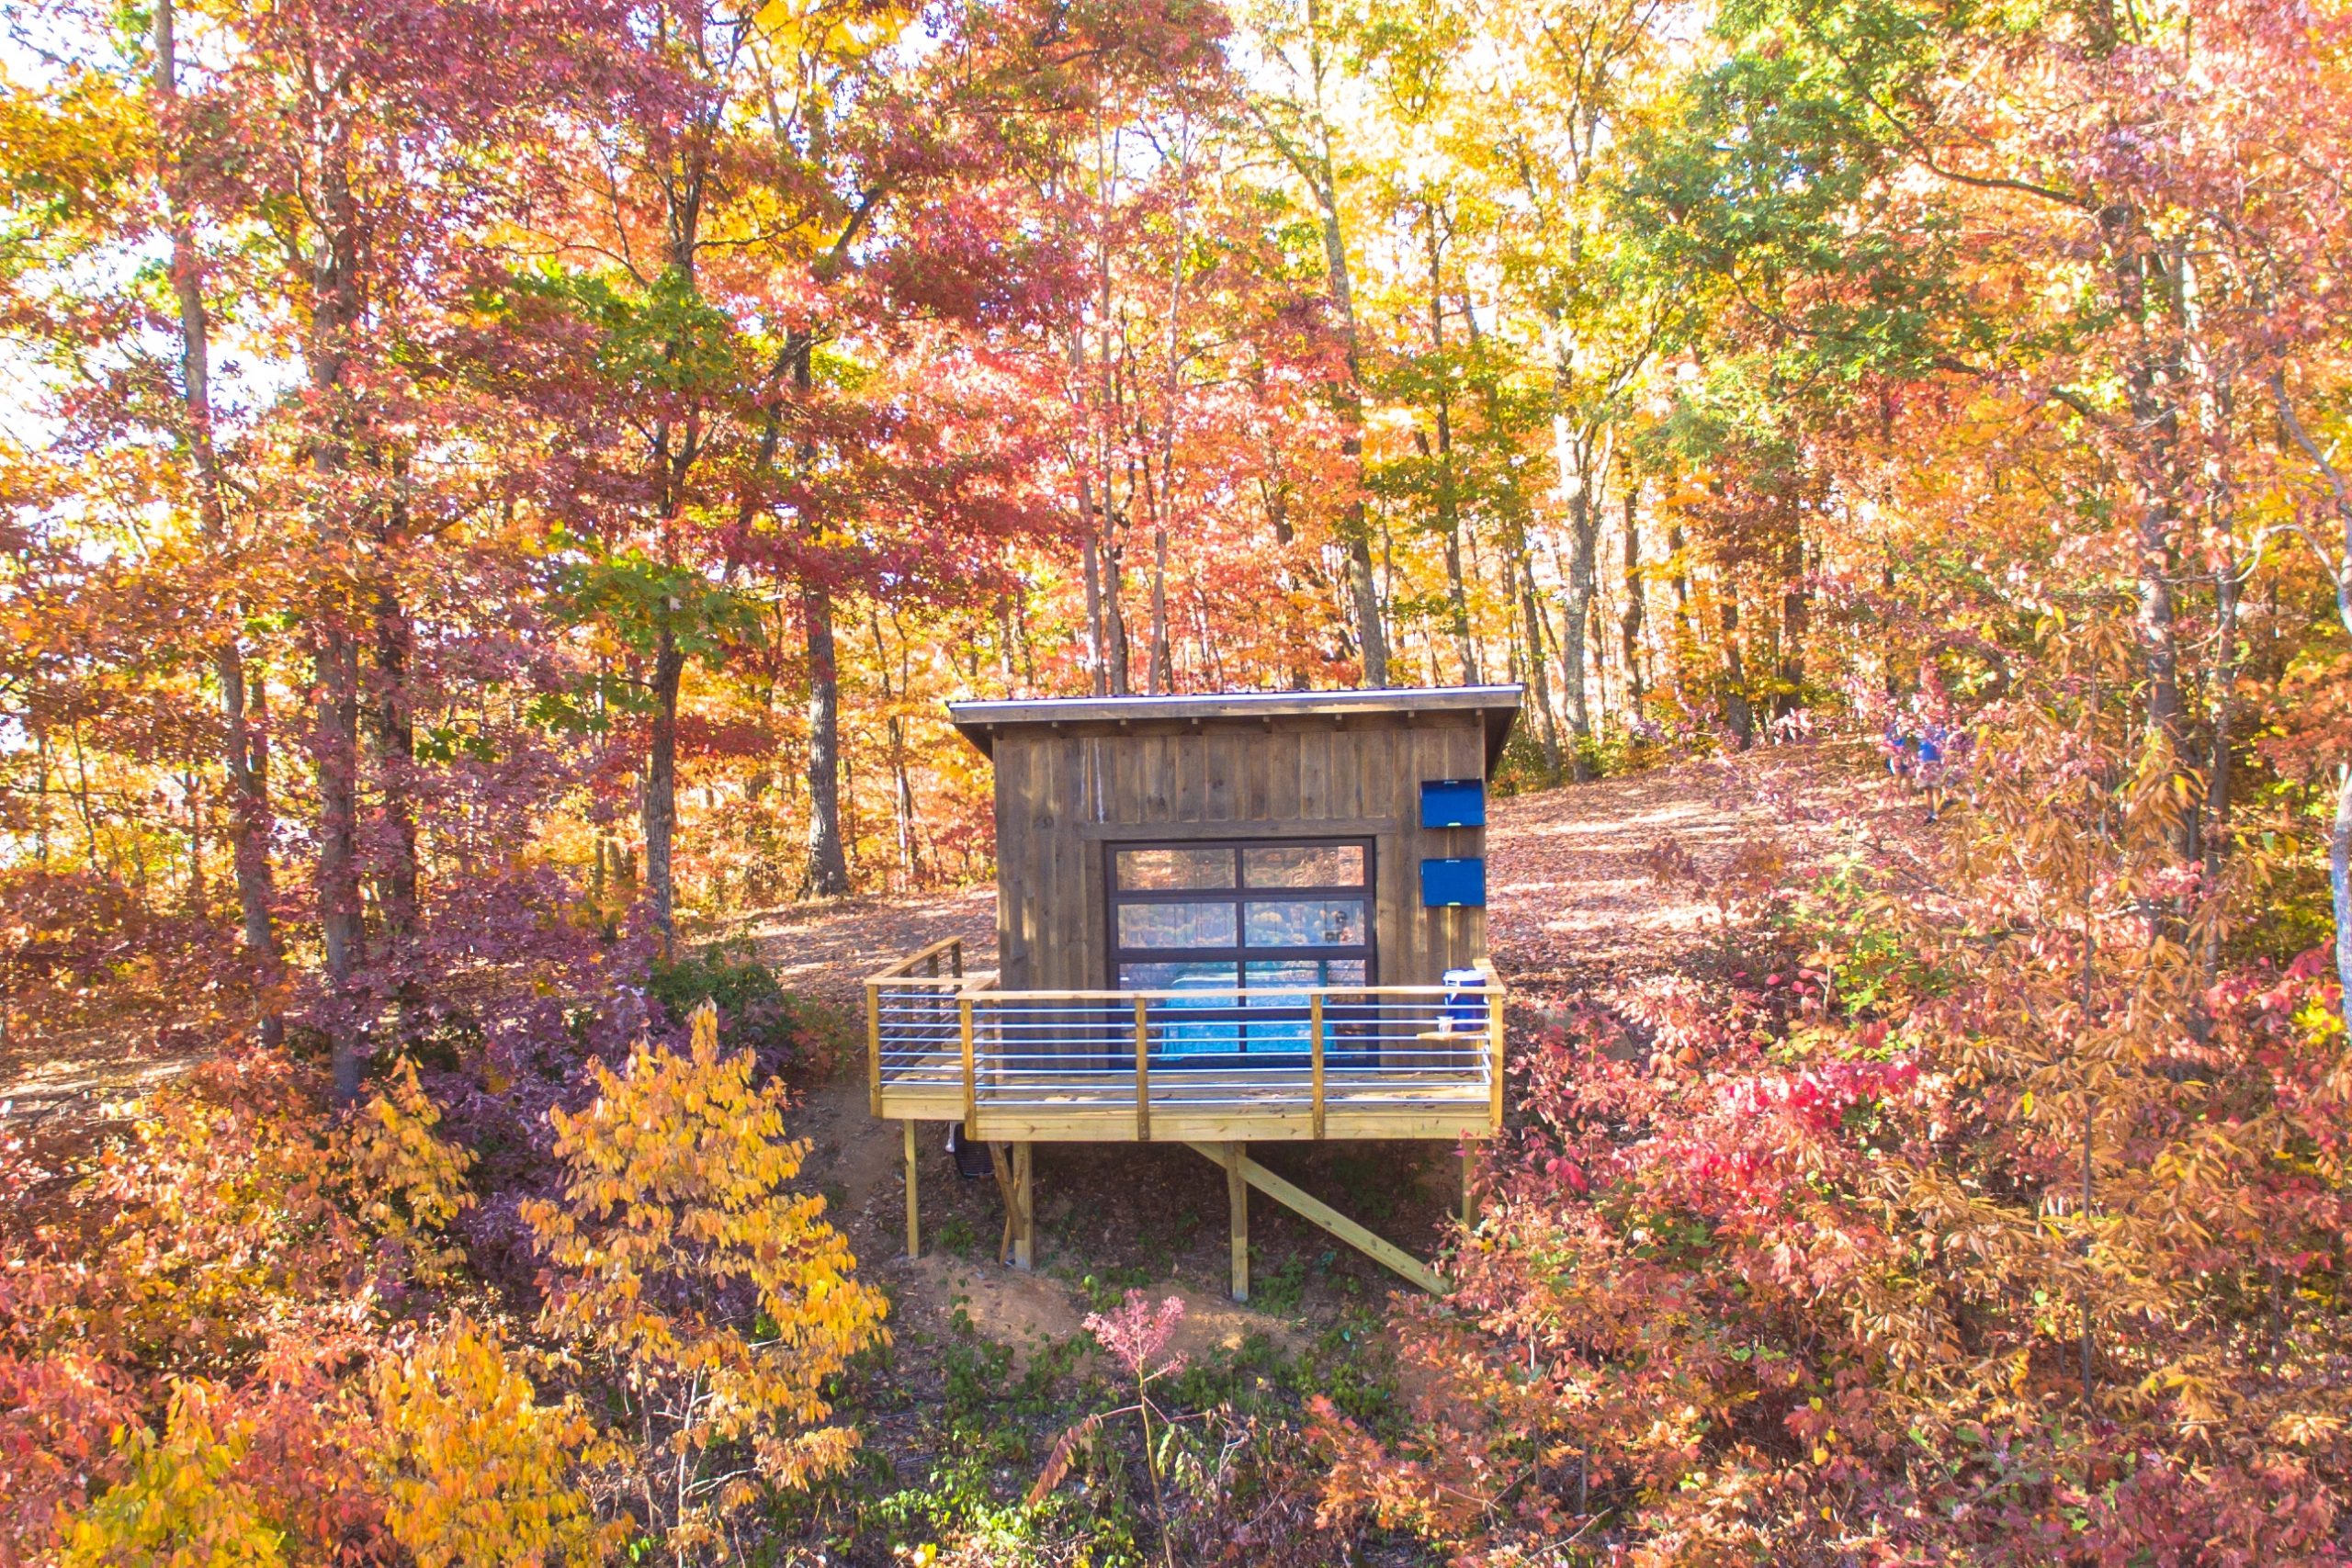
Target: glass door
point(1244, 923)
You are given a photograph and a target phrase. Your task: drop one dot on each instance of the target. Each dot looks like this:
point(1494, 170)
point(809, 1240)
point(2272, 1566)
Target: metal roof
point(1495, 706)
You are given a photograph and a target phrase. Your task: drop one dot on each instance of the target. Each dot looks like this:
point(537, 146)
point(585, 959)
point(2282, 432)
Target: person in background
point(1901, 752)
point(1935, 741)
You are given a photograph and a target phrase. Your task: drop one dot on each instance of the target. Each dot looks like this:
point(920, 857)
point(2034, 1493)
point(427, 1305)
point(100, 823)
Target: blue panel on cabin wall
point(1448, 883)
point(1453, 803)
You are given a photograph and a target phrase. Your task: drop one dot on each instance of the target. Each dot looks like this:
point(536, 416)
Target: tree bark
point(1538, 667)
point(392, 735)
point(826, 873)
point(248, 820)
point(335, 647)
point(1795, 621)
point(659, 811)
point(1164, 663)
point(1098, 664)
point(1630, 627)
point(1584, 528)
point(1738, 713)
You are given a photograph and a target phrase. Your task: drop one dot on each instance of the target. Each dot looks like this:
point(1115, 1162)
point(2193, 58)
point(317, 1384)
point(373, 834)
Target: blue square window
point(1452, 884)
point(1453, 803)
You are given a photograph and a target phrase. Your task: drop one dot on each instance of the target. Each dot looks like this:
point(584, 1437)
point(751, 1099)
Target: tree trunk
point(1738, 713)
point(248, 824)
point(1098, 668)
point(1583, 530)
point(2339, 882)
point(659, 810)
point(1316, 169)
point(335, 647)
point(1114, 620)
point(1164, 663)
point(1630, 627)
point(1538, 667)
point(1355, 527)
point(391, 734)
point(335, 755)
point(1795, 619)
point(826, 873)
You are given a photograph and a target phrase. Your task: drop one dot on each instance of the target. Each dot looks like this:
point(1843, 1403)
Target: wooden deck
point(1180, 1067)
point(1216, 1070)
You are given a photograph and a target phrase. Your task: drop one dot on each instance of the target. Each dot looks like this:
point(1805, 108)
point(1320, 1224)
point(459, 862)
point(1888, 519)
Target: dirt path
point(1573, 900)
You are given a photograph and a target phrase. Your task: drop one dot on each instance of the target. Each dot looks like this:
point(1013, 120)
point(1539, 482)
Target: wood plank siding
point(1072, 778)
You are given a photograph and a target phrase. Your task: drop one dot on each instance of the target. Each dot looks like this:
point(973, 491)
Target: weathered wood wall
point(1060, 797)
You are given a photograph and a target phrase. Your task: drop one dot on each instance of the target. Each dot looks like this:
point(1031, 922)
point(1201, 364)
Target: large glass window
point(1260, 919)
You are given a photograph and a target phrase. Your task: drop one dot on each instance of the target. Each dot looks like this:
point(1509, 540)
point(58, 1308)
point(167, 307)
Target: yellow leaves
point(684, 1261)
point(181, 1504)
point(409, 1182)
point(474, 1470)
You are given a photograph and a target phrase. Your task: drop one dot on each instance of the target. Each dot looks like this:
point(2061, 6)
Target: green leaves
point(1770, 185)
point(663, 338)
point(641, 600)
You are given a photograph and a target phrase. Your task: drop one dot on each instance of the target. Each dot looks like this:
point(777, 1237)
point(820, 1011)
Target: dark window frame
point(1242, 897)
point(1241, 955)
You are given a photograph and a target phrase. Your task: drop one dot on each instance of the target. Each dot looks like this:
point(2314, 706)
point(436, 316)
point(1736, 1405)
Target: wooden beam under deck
point(1239, 1166)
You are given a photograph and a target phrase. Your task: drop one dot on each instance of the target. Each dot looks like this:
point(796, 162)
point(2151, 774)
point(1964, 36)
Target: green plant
point(754, 1012)
point(1282, 1290)
point(955, 1237)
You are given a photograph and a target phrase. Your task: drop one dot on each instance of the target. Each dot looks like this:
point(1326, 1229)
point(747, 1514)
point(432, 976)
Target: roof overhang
point(1494, 707)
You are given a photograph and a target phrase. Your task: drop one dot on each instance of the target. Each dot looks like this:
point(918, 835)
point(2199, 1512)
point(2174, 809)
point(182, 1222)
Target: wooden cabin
point(1221, 920)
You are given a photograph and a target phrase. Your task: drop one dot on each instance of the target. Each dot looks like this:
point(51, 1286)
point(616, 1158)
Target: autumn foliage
point(494, 496)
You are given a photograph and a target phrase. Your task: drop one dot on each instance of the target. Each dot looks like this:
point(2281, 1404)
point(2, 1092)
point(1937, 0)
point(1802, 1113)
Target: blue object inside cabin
point(1447, 883)
point(1453, 803)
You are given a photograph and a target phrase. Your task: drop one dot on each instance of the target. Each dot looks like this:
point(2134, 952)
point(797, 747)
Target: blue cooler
point(1466, 1001)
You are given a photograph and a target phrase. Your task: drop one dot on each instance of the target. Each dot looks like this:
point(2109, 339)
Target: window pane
point(1303, 866)
point(1148, 870)
point(1306, 922)
point(1194, 975)
point(1271, 974)
point(1176, 925)
point(1185, 1025)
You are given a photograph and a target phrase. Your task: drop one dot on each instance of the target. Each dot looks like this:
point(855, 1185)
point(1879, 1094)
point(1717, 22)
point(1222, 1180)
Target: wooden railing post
point(1315, 1050)
point(971, 1090)
point(1143, 1071)
point(873, 1046)
point(1494, 1052)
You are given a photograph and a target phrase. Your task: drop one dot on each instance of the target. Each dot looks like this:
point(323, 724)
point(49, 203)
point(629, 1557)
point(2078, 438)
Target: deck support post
point(1024, 1214)
point(1143, 1071)
point(914, 1227)
point(1236, 1197)
point(1469, 1192)
point(1233, 1156)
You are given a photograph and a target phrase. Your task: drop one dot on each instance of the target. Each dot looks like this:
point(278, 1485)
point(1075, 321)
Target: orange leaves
point(718, 1298)
point(473, 1469)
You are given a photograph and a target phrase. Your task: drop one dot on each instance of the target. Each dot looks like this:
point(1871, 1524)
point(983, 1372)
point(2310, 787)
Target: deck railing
point(1304, 1062)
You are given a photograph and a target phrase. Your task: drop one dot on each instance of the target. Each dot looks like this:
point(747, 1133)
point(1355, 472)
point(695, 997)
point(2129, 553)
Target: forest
point(496, 495)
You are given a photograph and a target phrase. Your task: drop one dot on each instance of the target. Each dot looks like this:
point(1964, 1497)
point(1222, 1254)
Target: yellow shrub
point(720, 1300)
point(181, 1504)
point(408, 1181)
point(472, 1468)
